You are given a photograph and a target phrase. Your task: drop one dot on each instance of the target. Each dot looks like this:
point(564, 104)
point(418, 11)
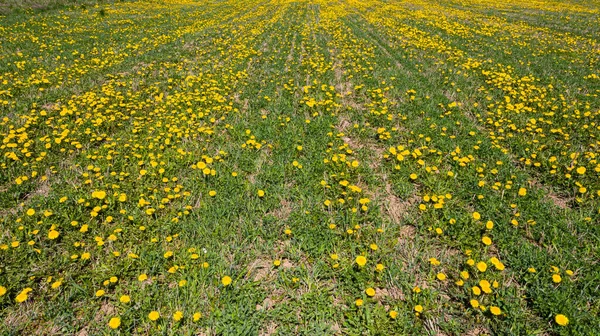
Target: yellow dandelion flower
point(486, 241)
point(154, 315)
point(114, 322)
point(99, 194)
point(21, 297)
point(53, 234)
point(561, 320)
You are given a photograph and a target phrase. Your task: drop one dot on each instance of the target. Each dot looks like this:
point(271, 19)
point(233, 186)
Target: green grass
point(429, 137)
point(13, 7)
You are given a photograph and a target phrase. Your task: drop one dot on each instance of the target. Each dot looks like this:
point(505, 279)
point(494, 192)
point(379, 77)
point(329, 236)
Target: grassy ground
point(11, 7)
point(277, 167)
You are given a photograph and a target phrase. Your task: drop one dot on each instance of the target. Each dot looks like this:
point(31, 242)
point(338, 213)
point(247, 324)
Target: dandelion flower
point(99, 194)
point(114, 322)
point(561, 319)
point(226, 281)
point(154, 315)
point(53, 234)
point(24, 295)
point(21, 297)
point(556, 278)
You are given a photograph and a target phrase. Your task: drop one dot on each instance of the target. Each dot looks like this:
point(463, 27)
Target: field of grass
point(315, 167)
point(11, 7)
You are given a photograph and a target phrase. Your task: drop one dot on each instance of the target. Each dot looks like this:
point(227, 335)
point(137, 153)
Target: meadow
point(276, 167)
